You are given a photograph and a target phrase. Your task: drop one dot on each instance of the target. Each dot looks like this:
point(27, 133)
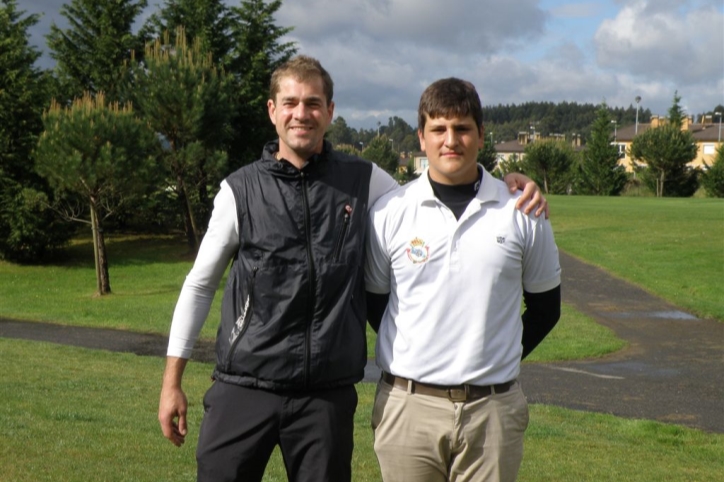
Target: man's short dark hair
point(302, 69)
point(449, 98)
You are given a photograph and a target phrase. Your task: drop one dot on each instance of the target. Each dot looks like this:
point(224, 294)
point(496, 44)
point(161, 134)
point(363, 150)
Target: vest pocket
point(343, 233)
point(242, 322)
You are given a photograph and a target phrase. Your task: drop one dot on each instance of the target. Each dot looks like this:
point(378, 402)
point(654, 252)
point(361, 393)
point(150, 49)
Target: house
point(506, 150)
point(707, 136)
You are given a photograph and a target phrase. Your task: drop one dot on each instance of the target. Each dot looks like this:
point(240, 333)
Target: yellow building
point(707, 136)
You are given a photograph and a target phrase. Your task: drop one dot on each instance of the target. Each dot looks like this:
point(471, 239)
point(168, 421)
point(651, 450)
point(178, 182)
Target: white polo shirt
point(456, 286)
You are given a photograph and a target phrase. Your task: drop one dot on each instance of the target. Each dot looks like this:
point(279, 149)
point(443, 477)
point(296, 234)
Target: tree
point(408, 174)
point(92, 54)
point(379, 151)
point(186, 100)
point(21, 93)
point(512, 164)
point(256, 53)
point(98, 153)
point(27, 228)
point(600, 172)
point(210, 21)
point(339, 133)
point(666, 151)
point(549, 163)
point(713, 176)
point(488, 156)
point(676, 112)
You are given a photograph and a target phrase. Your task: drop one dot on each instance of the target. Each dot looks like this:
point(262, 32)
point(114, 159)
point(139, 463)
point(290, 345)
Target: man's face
point(301, 115)
point(452, 148)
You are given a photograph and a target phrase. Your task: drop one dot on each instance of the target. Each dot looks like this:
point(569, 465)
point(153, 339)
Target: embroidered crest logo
point(500, 239)
point(418, 251)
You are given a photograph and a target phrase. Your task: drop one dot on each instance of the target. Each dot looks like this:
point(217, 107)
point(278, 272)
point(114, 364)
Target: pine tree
point(488, 156)
point(713, 176)
point(208, 20)
point(666, 151)
point(92, 53)
point(256, 53)
point(338, 132)
point(549, 163)
point(21, 93)
point(186, 99)
point(98, 153)
point(379, 151)
point(676, 112)
point(28, 229)
point(600, 172)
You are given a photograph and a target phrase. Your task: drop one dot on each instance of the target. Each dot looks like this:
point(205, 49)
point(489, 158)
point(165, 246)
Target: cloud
point(383, 53)
point(650, 42)
point(577, 10)
point(483, 25)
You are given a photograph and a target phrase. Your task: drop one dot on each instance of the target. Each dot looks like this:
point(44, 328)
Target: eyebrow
point(307, 99)
point(456, 124)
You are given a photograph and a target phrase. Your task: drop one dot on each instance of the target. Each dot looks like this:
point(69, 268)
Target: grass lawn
point(71, 414)
point(671, 247)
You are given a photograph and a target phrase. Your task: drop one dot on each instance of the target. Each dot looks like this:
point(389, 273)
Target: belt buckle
point(458, 394)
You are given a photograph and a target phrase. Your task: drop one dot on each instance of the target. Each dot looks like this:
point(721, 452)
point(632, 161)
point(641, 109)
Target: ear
point(330, 111)
point(272, 108)
point(481, 139)
point(421, 137)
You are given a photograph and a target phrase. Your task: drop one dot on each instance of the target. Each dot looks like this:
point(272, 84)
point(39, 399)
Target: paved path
point(672, 371)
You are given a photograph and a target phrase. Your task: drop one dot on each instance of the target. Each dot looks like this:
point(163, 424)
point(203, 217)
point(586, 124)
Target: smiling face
point(301, 114)
point(452, 145)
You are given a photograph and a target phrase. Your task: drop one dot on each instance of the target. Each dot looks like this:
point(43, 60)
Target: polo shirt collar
point(488, 192)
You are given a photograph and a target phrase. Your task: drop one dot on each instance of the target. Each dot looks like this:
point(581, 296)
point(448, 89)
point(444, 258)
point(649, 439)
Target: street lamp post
point(719, 114)
point(637, 99)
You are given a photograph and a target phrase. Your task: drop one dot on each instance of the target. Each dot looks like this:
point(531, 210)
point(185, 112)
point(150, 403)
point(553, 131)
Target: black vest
point(293, 314)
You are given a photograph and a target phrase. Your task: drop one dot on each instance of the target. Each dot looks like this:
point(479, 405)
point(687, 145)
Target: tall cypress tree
point(600, 172)
point(92, 53)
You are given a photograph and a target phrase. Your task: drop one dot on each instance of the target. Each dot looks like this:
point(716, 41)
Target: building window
point(709, 149)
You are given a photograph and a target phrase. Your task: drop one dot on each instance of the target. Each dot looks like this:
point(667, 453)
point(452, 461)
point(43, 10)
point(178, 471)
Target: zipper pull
point(347, 211)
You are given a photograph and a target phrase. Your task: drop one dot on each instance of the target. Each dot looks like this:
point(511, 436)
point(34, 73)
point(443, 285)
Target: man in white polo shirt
point(454, 257)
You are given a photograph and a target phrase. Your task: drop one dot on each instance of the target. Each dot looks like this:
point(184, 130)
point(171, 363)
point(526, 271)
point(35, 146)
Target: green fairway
point(77, 415)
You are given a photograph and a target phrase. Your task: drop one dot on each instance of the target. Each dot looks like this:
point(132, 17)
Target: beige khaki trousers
point(421, 438)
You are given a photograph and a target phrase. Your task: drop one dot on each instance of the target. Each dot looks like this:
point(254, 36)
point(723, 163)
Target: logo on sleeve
point(418, 251)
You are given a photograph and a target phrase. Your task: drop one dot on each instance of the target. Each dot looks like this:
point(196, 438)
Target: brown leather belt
point(455, 393)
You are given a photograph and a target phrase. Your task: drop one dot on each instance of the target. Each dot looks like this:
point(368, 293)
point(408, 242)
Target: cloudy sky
point(383, 53)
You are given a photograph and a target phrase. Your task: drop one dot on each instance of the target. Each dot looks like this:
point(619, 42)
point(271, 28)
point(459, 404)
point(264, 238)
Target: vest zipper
point(243, 321)
point(343, 234)
point(312, 282)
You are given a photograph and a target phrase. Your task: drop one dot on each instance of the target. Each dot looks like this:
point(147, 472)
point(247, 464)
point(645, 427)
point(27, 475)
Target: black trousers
point(241, 427)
